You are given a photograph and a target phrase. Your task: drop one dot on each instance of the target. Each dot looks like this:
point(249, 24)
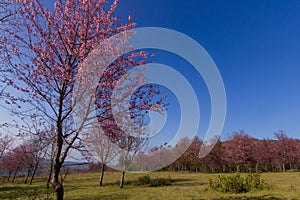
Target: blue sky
point(255, 45)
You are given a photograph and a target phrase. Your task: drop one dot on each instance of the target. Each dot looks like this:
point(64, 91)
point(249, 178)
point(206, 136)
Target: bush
point(254, 182)
point(236, 183)
point(153, 182)
point(144, 180)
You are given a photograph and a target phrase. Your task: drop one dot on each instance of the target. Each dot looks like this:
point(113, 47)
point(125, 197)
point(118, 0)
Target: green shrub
point(143, 180)
point(153, 182)
point(254, 182)
point(236, 183)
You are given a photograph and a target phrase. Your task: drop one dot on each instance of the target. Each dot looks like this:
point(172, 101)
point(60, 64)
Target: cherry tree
point(130, 147)
point(5, 144)
point(214, 160)
point(34, 151)
point(45, 49)
point(287, 150)
point(13, 162)
point(237, 150)
point(100, 147)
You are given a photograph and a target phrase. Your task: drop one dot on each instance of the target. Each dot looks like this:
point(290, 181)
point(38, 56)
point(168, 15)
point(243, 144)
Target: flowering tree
point(237, 151)
point(287, 150)
point(130, 146)
point(34, 150)
point(214, 160)
point(45, 48)
point(5, 144)
point(101, 147)
point(13, 162)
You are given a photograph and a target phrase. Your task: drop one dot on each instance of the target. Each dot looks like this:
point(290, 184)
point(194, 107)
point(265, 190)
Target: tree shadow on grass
point(264, 197)
point(186, 182)
point(15, 192)
point(105, 197)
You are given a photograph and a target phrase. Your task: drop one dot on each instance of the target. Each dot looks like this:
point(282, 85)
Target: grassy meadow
point(192, 186)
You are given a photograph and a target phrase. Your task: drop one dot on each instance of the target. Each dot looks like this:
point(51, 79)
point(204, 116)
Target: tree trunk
point(56, 184)
point(33, 173)
point(256, 168)
point(102, 174)
point(122, 179)
point(9, 174)
point(50, 173)
point(14, 176)
point(27, 176)
point(283, 167)
point(238, 168)
point(49, 178)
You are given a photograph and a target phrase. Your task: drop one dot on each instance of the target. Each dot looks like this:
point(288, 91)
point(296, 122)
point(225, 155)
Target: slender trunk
point(102, 174)
point(283, 167)
point(224, 168)
point(122, 179)
point(238, 168)
point(14, 176)
point(49, 177)
point(34, 171)
point(27, 176)
point(50, 173)
point(9, 174)
point(256, 167)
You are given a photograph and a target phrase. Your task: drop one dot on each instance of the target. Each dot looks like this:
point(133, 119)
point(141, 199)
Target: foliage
point(236, 183)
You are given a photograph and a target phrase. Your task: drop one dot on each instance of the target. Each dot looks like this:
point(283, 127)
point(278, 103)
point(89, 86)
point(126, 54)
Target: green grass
point(190, 186)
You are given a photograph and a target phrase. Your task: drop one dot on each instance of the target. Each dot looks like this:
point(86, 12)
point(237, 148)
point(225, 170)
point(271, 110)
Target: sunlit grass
point(184, 186)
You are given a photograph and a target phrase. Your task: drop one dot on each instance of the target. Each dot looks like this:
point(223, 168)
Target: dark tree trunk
point(27, 176)
point(49, 178)
point(122, 179)
point(14, 176)
point(56, 184)
point(34, 171)
point(102, 174)
point(9, 175)
point(50, 173)
point(57, 164)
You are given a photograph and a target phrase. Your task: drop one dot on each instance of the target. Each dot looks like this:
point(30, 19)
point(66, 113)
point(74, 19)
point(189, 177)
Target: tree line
point(241, 153)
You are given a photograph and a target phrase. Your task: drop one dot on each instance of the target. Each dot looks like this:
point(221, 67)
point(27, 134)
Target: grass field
point(184, 186)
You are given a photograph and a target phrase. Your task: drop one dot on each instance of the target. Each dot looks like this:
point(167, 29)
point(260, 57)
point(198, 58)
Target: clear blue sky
point(256, 46)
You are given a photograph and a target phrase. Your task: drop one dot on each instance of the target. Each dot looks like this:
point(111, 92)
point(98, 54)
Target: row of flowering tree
point(240, 153)
point(24, 158)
